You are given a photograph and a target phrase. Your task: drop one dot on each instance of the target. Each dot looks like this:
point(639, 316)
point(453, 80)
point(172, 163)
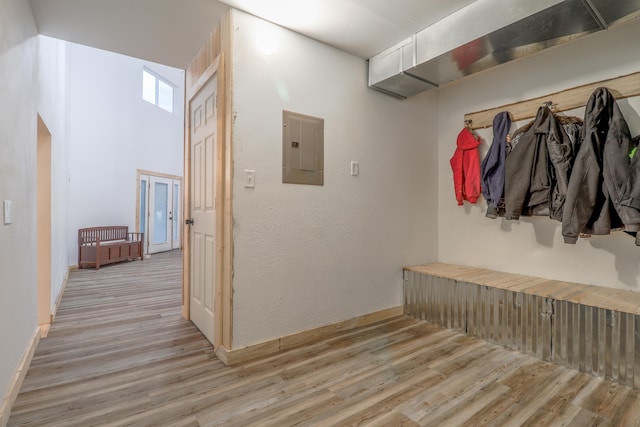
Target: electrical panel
point(302, 149)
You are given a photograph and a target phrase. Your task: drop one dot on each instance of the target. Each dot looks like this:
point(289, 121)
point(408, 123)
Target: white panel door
point(203, 209)
point(160, 214)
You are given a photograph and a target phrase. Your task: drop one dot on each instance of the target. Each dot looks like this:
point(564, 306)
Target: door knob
point(189, 221)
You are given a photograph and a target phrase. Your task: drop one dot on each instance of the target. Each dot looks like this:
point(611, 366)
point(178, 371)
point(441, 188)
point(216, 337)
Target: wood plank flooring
point(120, 355)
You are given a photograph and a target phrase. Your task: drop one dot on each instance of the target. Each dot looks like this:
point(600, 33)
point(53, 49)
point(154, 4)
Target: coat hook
point(468, 123)
point(550, 105)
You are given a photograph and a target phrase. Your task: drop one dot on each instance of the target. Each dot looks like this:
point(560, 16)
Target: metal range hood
point(488, 33)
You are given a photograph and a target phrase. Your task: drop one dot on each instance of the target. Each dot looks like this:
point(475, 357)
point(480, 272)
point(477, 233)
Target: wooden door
point(203, 208)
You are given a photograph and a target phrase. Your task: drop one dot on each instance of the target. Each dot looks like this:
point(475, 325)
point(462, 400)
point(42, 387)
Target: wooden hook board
point(621, 87)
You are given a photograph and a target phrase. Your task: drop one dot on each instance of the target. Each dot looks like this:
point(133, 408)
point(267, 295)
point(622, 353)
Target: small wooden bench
point(104, 245)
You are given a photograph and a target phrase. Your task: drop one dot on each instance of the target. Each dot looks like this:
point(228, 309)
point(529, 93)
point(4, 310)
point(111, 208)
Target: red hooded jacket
point(465, 164)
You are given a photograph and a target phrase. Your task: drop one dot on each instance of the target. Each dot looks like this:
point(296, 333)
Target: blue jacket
point(493, 164)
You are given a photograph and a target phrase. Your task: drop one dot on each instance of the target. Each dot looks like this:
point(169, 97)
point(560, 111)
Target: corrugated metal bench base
point(590, 328)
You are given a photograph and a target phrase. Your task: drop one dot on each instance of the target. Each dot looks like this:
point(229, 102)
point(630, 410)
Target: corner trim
point(268, 348)
point(223, 354)
point(18, 378)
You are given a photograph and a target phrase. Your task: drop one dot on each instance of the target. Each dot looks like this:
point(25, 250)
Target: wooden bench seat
point(577, 293)
point(593, 329)
point(108, 244)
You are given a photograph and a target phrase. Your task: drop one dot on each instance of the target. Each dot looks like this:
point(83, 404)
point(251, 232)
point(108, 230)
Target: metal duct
point(488, 33)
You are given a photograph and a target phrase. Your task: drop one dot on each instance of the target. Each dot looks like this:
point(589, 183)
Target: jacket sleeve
point(517, 176)
point(560, 155)
point(457, 168)
point(583, 189)
point(631, 194)
point(493, 175)
point(488, 163)
point(471, 169)
point(623, 173)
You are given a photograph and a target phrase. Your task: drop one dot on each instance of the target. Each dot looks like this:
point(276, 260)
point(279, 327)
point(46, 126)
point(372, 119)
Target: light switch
point(355, 168)
point(7, 212)
point(249, 178)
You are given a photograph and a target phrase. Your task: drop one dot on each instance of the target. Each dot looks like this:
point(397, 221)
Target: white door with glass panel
point(160, 213)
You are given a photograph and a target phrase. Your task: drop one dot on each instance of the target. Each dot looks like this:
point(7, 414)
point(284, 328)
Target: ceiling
point(170, 32)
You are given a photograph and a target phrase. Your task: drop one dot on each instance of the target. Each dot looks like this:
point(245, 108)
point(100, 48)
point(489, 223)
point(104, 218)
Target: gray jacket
point(604, 190)
point(538, 168)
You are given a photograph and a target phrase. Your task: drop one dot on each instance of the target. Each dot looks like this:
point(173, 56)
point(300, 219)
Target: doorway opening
point(158, 211)
point(207, 294)
point(43, 227)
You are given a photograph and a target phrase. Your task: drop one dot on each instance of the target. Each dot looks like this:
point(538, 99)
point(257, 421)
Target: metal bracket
point(611, 318)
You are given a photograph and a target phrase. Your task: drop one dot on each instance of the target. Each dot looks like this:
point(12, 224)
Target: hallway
point(120, 354)
point(117, 335)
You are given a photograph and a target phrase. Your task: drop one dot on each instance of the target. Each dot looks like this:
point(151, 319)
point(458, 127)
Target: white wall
point(91, 102)
point(52, 108)
point(308, 256)
point(534, 246)
point(18, 124)
point(113, 132)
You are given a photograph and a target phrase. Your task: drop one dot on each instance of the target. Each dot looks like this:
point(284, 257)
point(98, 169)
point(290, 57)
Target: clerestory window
point(157, 90)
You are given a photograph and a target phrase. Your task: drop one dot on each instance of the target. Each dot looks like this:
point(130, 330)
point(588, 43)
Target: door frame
point(139, 174)
point(43, 226)
point(223, 176)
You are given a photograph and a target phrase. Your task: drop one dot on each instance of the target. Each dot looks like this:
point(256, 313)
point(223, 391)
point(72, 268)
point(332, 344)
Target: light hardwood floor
point(119, 354)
